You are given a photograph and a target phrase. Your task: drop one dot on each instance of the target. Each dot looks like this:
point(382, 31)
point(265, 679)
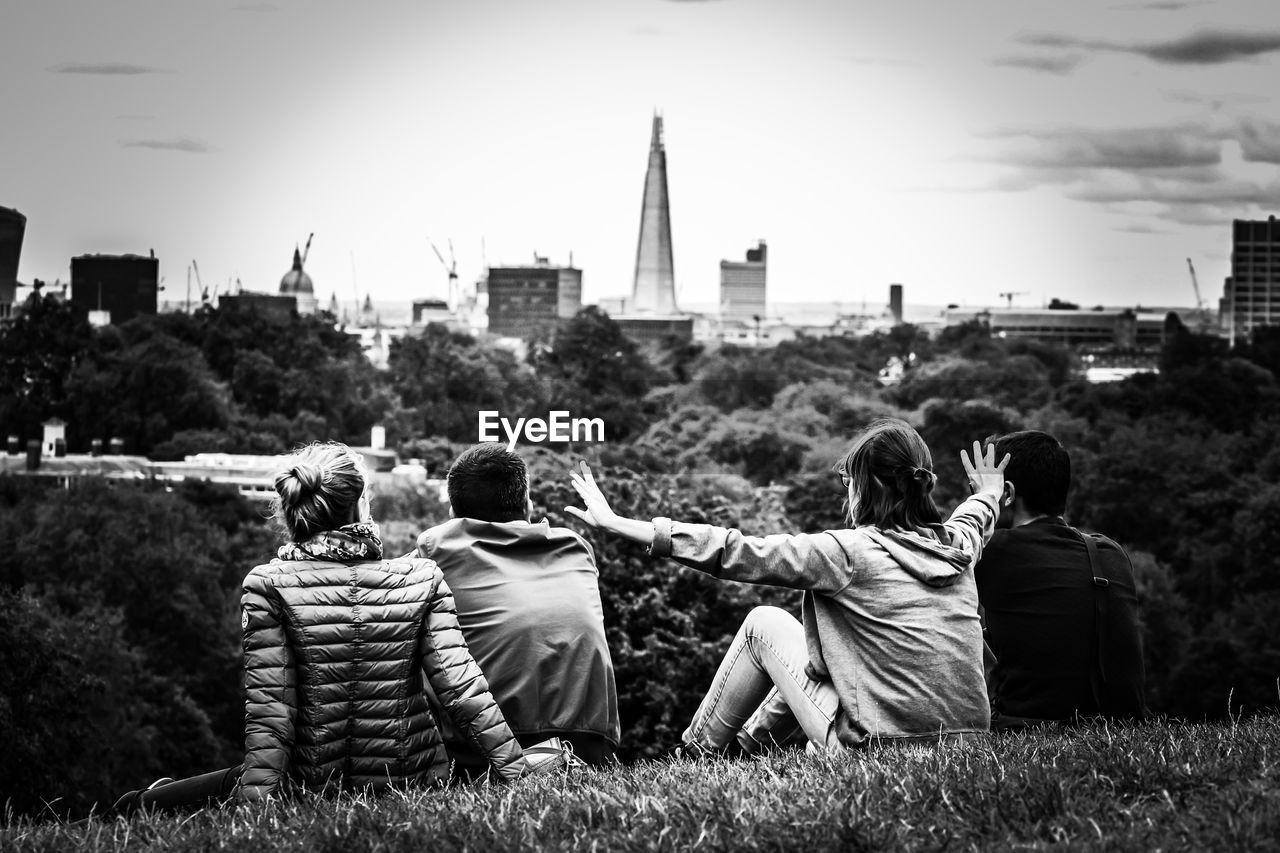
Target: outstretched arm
point(816, 562)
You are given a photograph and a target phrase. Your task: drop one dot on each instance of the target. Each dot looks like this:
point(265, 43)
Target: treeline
point(1181, 467)
point(119, 646)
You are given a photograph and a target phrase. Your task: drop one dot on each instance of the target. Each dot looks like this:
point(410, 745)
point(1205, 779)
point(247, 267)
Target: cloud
point(880, 60)
point(1207, 47)
point(186, 144)
point(1259, 141)
point(1163, 5)
point(1171, 192)
point(1046, 64)
point(1140, 228)
point(1216, 102)
point(1144, 174)
point(108, 68)
point(1125, 149)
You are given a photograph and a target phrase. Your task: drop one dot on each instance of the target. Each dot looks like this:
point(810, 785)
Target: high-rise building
point(1251, 294)
point(526, 302)
point(895, 303)
point(742, 286)
point(114, 289)
point(13, 226)
point(653, 290)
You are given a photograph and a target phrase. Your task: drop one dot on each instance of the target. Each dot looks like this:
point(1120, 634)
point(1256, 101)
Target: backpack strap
point(1098, 652)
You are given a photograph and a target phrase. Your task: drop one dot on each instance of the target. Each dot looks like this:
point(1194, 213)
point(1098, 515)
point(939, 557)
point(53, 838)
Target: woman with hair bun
point(891, 644)
point(339, 643)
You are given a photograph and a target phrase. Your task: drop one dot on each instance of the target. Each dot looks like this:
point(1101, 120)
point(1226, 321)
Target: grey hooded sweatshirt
point(890, 616)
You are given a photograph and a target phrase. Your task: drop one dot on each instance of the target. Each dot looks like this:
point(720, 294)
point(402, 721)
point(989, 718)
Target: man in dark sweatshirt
point(529, 606)
point(1060, 606)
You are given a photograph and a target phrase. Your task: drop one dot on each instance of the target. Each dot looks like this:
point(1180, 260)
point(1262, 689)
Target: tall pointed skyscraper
point(653, 291)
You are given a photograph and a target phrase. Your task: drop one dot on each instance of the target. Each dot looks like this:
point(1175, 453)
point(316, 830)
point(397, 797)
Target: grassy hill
point(1164, 785)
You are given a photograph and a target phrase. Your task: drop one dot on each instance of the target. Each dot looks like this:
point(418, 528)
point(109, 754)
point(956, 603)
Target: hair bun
point(299, 482)
point(308, 475)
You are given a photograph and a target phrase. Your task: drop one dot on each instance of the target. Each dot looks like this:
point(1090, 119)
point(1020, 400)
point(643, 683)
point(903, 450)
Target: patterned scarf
point(350, 543)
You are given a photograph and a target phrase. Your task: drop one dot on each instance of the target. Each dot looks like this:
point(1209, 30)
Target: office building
point(1112, 328)
point(650, 312)
point(277, 306)
point(113, 289)
point(742, 287)
point(530, 302)
point(1251, 294)
point(657, 328)
point(13, 226)
point(653, 289)
point(895, 303)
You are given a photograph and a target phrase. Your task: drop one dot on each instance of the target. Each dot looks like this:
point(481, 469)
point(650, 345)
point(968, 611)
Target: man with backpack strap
point(1060, 606)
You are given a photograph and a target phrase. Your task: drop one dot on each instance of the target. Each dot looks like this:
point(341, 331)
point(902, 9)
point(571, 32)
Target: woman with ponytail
point(339, 646)
point(890, 646)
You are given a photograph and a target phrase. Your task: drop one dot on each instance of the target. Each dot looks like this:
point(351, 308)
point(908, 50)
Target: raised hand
point(598, 513)
point(984, 474)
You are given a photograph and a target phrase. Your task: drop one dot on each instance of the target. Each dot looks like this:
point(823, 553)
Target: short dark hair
point(489, 483)
point(891, 469)
point(1039, 468)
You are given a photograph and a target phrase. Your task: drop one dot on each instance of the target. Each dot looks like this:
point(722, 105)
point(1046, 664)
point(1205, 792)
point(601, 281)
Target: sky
point(1080, 150)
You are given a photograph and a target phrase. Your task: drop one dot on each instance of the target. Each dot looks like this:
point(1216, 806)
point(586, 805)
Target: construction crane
point(1008, 296)
point(1195, 284)
point(1202, 312)
point(306, 251)
point(451, 269)
point(204, 294)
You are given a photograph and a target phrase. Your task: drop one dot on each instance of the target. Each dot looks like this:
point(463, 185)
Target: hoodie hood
point(499, 532)
point(923, 554)
point(494, 537)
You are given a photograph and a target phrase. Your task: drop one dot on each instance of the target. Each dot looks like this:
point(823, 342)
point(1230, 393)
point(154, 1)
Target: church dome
point(295, 280)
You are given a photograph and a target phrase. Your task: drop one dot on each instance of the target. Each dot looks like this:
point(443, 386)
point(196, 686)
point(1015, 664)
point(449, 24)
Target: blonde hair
point(891, 470)
point(319, 489)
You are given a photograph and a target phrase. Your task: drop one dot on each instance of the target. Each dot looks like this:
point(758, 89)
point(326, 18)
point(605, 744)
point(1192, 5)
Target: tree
point(1019, 381)
point(39, 350)
point(120, 651)
point(443, 378)
point(593, 370)
point(144, 391)
point(733, 378)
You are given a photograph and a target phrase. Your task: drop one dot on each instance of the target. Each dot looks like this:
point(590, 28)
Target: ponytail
point(891, 472)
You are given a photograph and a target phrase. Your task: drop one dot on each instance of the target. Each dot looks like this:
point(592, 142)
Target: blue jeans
point(761, 696)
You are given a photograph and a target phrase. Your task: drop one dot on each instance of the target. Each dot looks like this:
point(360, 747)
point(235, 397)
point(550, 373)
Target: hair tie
point(924, 477)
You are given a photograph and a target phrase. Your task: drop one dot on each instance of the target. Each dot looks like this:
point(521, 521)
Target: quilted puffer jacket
point(334, 657)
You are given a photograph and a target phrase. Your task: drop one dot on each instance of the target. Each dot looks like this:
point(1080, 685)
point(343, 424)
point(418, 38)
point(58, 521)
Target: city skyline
point(1081, 151)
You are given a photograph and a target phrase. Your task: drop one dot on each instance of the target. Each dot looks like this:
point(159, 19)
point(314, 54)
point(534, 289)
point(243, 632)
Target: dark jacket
point(529, 604)
point(1065, 644)
point(334, 658)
